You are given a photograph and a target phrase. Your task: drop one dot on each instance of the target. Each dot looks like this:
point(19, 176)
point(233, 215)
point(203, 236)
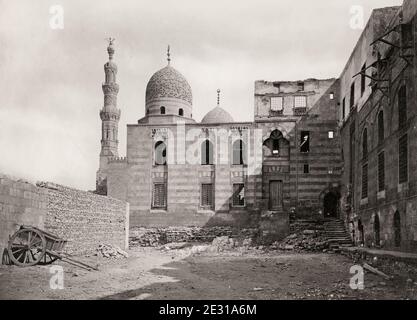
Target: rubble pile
point(310, 240)
point(298, 226)
point(109, 251)
point(152, 237)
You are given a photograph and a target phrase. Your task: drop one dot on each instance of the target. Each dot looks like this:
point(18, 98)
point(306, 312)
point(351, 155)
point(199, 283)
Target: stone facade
point(244, 184)
point(377, 126)
point(82, 218)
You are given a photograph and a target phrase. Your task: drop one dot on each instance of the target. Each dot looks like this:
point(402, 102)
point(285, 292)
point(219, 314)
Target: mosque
point(180, 172)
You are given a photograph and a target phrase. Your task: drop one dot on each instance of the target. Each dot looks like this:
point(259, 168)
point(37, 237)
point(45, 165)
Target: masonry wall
point(183, 179)
point(85, 219)
point(392, 199)
point(21, 203)
point(302, 191)
point(82, 218)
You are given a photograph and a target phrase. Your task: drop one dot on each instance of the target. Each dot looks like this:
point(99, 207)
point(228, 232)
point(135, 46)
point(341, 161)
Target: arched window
point(181, 112)
point(160, 153)
point(365, 143)
point(206, 152)
point(239, 152)
point(381, 132)
point(162, 110)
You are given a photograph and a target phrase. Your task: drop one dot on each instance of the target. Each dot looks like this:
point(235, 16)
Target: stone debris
point(109, 251)
point(154, 237)
point(310, 240)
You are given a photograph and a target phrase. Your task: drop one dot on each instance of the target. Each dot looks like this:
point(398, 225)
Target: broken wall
point(82, 218)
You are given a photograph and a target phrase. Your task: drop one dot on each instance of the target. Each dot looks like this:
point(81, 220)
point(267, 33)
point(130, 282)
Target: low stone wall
point(85, 219)
point(21, 203)
point(82, 218)
point(146, 237)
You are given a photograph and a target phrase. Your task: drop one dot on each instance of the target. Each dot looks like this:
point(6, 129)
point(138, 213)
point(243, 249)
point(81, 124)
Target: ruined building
point(378, 129)
point(337, 148)
point(178, 171)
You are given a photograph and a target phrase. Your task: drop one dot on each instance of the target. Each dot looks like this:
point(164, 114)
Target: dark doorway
point(275, 195)
point(361, 233)
point(330, 205)
point(376, 231)
point(397, 229)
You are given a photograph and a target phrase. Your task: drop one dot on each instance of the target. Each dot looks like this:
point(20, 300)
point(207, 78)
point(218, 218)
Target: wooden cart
point(30, 246)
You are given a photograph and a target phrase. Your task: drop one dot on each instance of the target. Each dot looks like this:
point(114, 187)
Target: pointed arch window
point(207, 152)
point(162, 110)
point(239, 152)
point(160, 153)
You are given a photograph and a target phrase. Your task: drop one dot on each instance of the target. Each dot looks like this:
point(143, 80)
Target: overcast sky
point(51, 79)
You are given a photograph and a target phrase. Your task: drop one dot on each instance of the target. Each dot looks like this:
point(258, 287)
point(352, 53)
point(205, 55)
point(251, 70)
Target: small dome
point(217, 115)
point(168, 83)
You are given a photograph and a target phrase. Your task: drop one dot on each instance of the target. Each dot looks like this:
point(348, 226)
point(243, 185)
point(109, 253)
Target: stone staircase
point(336, 234)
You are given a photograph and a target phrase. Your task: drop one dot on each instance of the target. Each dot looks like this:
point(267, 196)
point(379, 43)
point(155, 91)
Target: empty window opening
point(331, 96)
point(331, 134)
point(207, 153)
point(305, 141)
point(300, 86)
point(238, 152)
point(160, 153)
point(238, 195)
point(181, 112)
point(306, 168)
point(352, 95)
point(363, 79)
point(162, 110)
point(275, 147)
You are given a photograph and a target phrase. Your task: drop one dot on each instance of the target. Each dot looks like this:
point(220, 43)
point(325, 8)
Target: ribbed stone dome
point(217, 115)
point(168, 83)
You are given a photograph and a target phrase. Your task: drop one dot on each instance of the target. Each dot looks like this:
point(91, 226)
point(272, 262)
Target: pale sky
point(51, 79)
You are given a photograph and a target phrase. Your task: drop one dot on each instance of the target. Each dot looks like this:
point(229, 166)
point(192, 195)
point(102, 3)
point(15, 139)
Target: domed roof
point(217, 115)
point(168, 83)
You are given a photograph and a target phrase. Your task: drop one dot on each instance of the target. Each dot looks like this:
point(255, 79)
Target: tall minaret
point(110, 116)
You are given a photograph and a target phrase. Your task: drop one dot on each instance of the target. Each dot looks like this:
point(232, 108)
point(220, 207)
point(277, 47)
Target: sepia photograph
point(207, 156)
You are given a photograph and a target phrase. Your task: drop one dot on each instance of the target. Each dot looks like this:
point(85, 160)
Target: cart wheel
point(47, 259)
point(27, 247)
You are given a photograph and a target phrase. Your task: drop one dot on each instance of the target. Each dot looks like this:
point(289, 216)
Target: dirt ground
point(150, 273)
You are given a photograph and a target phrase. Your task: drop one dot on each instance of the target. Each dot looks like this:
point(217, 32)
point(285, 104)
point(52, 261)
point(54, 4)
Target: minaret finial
point(218, 97)
point(110, 48)
point(168, 55)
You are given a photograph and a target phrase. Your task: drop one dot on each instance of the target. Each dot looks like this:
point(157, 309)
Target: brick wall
point(82, 218)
